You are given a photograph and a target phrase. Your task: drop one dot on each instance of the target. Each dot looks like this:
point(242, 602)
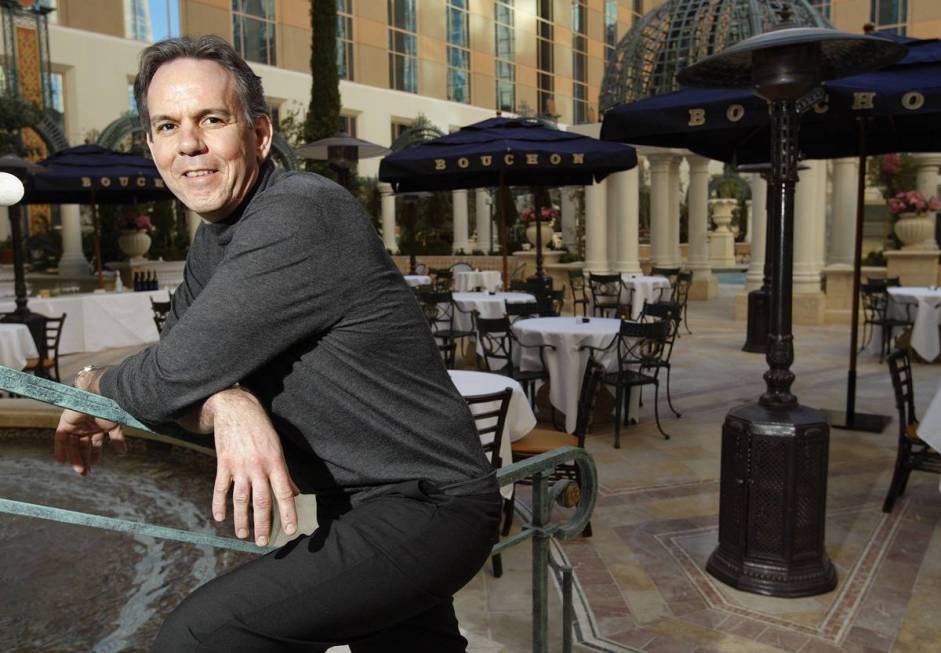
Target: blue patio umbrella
point(891, 110)
point(91, 174)
point(505, 152)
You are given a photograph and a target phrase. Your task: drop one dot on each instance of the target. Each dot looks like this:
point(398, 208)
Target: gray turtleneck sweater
point(295, 298)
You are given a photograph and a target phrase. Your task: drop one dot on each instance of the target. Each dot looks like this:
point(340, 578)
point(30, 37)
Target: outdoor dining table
point(97, 321)
point(417, 279)
point(520, 419)
point(487, 305)
point(489, 280)
point(16, 345)
point(566, 362)
point(646, 288)
point(927, 315)
point(929, 428)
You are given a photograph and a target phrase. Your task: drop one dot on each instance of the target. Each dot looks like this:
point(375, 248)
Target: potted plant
point(134, 239)
point(544, 221)
point(916, 222)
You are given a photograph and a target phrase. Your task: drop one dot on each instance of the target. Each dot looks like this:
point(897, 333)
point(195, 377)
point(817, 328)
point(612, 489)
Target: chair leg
point(508, 509)
point(895, 485)
point(618, 398)
point(686, 319)
point(497, 562)
point(669, 399)
point(656, 410)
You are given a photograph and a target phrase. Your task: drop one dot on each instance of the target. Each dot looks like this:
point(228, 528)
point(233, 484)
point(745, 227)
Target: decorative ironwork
point(679, 33)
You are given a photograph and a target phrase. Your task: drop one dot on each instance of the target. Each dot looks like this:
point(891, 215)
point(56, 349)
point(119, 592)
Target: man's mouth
point(198, 173)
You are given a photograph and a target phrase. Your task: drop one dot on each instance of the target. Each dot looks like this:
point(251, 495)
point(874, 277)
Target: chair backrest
point(669, 312)
point(577, 281)
point(555, 303)
point(605, 288)
point(495, 342)
point(886, 282)
point(518, 285)
point(160, 310)
point(669, 273)
point(421, 268)
point(438, 308)
point(875, 300)
point(900, 369)
point(489, 412)
point(54, 335)
point(642, 343)
point(684, 279)
point(520, 310)
point(587, 395)
point(461, 266)
point(442, 278)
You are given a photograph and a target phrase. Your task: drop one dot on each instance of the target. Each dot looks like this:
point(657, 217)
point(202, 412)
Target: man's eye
point(164, 127)
point(214, 120)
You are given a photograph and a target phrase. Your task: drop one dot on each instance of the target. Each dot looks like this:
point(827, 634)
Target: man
point(296, 342)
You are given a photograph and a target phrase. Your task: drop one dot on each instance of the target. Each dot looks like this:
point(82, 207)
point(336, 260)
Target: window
point(822, 7)
point(398, 128)
point(889, 15)
point(505, 49)
point(348, 125)
point(56, 100)
point(253, 29)
point(544, 58)
point(580, 60)
point(345, 39)
point(403, 46)
point(457, 29)
point(131, 100)
point(137, 20)
point(637, 9)
point(610, 28)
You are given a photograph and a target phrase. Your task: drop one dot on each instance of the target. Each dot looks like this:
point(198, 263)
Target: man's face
point(206, 154)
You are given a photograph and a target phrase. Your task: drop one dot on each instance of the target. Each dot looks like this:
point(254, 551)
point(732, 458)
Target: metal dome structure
point(681, 32)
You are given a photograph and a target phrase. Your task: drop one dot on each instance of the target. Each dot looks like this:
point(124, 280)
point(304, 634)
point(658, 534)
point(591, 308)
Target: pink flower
point(912, 202)
point(891, 164)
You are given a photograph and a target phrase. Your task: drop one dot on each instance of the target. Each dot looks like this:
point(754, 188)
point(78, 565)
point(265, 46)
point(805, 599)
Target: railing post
point(540, 565)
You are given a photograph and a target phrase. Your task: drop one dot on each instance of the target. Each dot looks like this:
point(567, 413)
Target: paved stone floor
point(640, 584)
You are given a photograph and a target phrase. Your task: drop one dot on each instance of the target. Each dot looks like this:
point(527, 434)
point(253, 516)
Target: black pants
point(378, 577)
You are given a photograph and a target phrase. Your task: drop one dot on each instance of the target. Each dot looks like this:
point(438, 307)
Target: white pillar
point(660, 209)
point(759, 206)
point(4, 223)
point(482, 215)
point(568, 210)
point(749, 213)
point(843, 222)
point(192, 223)
point(73, 262)
point(809, 227)
point(459, 206)
point(699, 225)
point(387, 200)
point(676, 259)
point(596, 228)
point(926, 181)
point(623, 224)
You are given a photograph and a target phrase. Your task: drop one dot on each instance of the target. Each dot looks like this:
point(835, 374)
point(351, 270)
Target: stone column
point(596, 228)
point(192, 223)
point(459, 223)
point(809, 229)
point(749, 220)
point(73, 262)
point(926, 181)
point(660, 253)
point(843, 221)
point(704, 282)
point(759, 223)
point(387, 200)
point(676, 258)
point(624, 213)
point(568, 211)
point(482, 213)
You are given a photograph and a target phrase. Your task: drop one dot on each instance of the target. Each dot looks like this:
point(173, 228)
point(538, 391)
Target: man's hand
point(249, 459)
point(79, 438)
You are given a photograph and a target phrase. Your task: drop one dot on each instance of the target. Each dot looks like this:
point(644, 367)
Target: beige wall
point(101, 16)
point(206, 17)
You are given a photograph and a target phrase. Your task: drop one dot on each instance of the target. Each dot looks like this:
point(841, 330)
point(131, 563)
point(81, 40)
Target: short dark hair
point(204, 48)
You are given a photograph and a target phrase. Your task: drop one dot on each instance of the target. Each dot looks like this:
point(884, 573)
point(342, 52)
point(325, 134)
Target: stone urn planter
point(547, 231)
point(916, 230)
point(135, 243)
point(722, 240)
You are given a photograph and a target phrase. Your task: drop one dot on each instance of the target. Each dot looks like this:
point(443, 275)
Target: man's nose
point(191, 141)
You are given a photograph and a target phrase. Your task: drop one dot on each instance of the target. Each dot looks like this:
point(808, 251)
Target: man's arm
point(249, 457)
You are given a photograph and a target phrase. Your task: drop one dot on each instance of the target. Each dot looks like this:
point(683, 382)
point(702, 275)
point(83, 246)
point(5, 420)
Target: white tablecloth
point(16, 345)
point(99, 321)
point(929, 428)
point(926, 314)
point(417, 279)
point(487, 305)
point(520, 419)
point(646, 289)
point(489, 280)
point(566, 363)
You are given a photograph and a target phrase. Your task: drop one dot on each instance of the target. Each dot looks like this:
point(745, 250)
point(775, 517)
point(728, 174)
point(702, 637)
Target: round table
point(566, 363)
point(646, 289)
point(489, 280)
point(520, 419)
point(927, 300)
point(487, 305)
point(16, 345)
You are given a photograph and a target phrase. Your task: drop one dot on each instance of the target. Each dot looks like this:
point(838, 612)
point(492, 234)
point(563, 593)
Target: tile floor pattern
point(640, 584)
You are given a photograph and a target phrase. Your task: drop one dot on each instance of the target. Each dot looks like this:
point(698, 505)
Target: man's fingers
point(284, 492)
point(75, 450)
point(241, 497)
point(261, 510)
point(117, 440)
point(220, 493)
point(97, 443)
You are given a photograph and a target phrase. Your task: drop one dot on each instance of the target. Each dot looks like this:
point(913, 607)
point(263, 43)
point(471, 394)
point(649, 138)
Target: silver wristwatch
point(86, 370)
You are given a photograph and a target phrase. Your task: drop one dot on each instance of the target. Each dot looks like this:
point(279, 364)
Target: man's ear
point(264, 133)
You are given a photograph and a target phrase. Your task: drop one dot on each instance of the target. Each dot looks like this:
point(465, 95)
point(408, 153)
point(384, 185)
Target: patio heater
point(341, 152)
point(772, 510)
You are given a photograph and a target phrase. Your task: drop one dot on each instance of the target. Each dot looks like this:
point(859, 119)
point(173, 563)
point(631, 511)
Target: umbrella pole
point(851, 419)
point(501, 222)
point(94, 219)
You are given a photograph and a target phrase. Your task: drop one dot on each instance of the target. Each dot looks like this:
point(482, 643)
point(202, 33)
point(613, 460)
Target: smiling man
point(295, 341)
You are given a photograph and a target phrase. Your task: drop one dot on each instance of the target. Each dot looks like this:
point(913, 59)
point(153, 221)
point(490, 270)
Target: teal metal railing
point(538, 470)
